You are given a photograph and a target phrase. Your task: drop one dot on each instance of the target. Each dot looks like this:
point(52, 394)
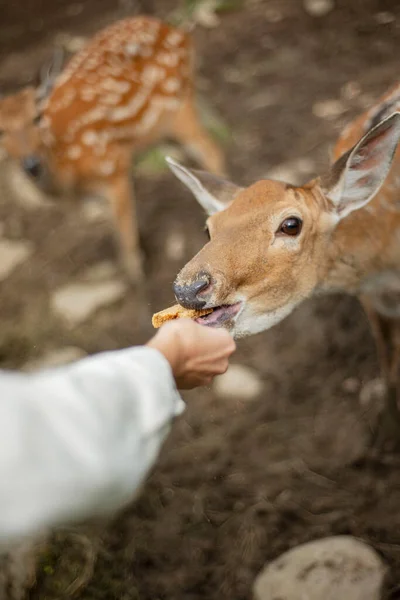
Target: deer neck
point(357, 254)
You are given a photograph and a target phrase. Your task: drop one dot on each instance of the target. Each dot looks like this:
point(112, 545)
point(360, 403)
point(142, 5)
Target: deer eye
point(207, 231)
point(291, 226)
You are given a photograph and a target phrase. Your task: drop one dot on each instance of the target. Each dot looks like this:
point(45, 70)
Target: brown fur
point(248, 260)
point(130, 86)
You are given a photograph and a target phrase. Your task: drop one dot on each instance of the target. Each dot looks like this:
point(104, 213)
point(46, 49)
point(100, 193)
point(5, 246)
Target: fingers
point(196, 354)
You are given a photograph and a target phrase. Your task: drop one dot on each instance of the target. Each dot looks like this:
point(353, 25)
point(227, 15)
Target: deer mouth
point(220, 315)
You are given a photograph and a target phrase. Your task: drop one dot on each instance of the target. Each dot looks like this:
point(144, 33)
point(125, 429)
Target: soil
point(238, 482)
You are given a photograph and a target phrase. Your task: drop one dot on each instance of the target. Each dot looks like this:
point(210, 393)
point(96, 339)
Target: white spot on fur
point(148, 120)
point(146, 37)
point(88, 94)
point(74, 152)
point(92, 116)
point(171, 85)
point(65, 101)
point(111, 99)
point(132, 108)
point(166, 102)
point(174, 38)
point(92, 63)
point(113, 85)
point(152, 74)
point(168, 59)
point(132, 49)
point(90, 137)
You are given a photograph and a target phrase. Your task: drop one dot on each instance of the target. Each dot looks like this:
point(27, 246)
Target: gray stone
point(55, 358)
point(12, 254)
point(372, 392)
point(384, 18)
point(238, 383)
point(318, 8)
point(333, 568)
point(103, 271)
point(76, 302)
point(328, 109)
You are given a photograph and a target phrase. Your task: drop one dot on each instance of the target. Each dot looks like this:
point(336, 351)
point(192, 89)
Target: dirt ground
point(238, 482)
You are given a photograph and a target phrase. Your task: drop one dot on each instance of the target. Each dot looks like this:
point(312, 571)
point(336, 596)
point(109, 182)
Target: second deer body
point(272, 245)
point(129, 87)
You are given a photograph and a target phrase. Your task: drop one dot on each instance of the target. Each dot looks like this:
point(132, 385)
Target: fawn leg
point(386, 332)
point(187, 129)
point(121, 197)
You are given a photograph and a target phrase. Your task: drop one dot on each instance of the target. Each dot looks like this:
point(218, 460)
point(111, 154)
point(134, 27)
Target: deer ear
point(356, 176)
point(212, 192)
point(48, 74)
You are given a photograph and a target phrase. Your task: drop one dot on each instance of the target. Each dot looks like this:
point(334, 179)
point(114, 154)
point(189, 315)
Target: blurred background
point(271, 455)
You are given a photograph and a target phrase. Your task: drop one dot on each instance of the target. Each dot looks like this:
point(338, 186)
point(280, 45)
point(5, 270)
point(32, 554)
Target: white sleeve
point(78, 441)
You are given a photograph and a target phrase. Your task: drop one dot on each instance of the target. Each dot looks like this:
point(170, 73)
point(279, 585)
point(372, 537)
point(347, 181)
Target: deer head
point(268, 242)
point(21, 133)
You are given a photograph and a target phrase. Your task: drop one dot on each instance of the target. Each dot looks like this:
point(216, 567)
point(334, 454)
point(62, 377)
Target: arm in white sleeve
point(78, 441)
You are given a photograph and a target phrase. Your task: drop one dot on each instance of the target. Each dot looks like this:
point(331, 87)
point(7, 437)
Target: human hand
point(196, 353)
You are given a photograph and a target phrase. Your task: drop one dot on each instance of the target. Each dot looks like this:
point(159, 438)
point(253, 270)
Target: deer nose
point(187, 295)
point(31, 165)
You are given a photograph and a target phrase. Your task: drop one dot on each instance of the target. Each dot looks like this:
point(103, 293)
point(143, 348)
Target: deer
point(128, 88)
point(272, 245)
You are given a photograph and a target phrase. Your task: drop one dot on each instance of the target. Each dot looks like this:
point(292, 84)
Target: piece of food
point(177, 312)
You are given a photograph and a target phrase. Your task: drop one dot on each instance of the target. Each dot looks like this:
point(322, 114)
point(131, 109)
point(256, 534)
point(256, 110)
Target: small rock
point(331, 568)
point(57, 358)
point(328, 109)
point(238, 383)
point(205, 15)
point(263, 99)
point(372, 392)
point(273, 15)
point(384, 18)
point(101, 272)
point(318, 8)
point(175, 245)
point(12, 254)
point(78, 301)
point(232, 75)
point(350, 90)
point(351, 385)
